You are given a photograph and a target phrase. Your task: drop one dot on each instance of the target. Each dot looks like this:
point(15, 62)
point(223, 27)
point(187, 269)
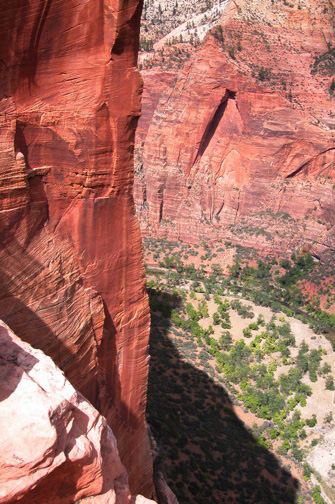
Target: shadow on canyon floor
point(208, 453)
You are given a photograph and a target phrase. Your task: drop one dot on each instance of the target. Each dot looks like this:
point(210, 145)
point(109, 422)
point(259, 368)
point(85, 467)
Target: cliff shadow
point(19, 288)
point(208, 453)
point(17, 284)
point(14, 361)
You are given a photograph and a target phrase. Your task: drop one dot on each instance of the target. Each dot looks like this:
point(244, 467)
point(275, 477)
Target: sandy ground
point(322, 458)
point(321, 402)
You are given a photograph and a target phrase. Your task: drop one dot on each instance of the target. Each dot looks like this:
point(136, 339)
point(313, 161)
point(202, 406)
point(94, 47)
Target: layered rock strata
point(246, 135)
point(72, 280)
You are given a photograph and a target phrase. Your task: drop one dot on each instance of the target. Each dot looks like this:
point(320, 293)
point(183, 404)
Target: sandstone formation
point(243, 144)
point(72, 280)
point(55, 447)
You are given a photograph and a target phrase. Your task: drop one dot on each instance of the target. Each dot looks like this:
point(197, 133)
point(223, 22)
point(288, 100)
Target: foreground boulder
point(54, 446)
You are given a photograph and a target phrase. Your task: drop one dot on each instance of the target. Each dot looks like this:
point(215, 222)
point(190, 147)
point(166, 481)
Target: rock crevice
point(213, 124)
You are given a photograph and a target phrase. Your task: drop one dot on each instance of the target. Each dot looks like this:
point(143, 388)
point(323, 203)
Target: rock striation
point(246, 135)
point(55, 447)
point(72, 280)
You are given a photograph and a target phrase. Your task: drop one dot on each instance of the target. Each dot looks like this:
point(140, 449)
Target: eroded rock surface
point(72, 280)
point(55, 447)
point(246, 134)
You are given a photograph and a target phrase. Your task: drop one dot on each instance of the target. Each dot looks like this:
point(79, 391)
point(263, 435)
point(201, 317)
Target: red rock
point(155, 85)
point(72, 279)
point(246, 135)
point(55, 447)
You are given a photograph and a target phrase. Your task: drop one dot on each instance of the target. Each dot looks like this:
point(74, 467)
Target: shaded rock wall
point(72, 280)
point(247, 132)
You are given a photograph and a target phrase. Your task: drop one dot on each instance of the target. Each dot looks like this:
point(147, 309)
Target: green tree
point(330, 383)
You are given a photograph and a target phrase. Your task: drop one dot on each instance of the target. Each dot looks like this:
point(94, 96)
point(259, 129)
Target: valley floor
point(240, 394)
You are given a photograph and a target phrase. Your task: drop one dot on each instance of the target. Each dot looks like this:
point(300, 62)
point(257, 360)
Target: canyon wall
point(72, 279)
point(242, 146)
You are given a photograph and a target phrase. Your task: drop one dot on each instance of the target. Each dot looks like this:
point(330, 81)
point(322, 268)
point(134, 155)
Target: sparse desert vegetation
point(242, 378)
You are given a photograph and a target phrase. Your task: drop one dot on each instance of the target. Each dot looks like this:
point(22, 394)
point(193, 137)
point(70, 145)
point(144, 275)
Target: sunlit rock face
point(72, 280)
point(55, 447)
point(246, 134)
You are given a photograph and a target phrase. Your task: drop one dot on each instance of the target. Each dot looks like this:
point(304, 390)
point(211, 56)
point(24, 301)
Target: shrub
point(263, 74)
point(311, 422)
point(330, 383)
point(313, 376)
point(247, 332)
point(307, 472)
point(286, 264)
point(316, 494)
point(253, 326)
point(326, 369)
point(329, 417)
point(232, 53)
point(225, 340)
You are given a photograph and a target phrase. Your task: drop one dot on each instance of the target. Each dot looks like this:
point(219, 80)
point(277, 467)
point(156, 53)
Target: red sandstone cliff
point(72, 281)
point(246, 134)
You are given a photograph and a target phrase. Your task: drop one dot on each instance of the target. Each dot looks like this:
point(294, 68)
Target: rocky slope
point(242, 146)
point(163, 21)
point(55, 447)
point(72, 280)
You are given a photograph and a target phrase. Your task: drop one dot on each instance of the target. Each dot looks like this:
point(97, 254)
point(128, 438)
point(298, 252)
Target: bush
point(316, 494)
point(225, 341)
point(311, 422)
point(330, 383)
point(253, 326)
point(263, 74)
point(286, 264)
point(247, 332)
point(313, 376)
point(326, 369)
point(307, 472)
point(297, 454)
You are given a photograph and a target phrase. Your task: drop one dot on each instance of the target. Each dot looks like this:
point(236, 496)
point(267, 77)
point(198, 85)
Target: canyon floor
point(241, 387)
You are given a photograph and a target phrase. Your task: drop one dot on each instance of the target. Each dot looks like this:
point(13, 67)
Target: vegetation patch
point(232, 354)
point(325, 63)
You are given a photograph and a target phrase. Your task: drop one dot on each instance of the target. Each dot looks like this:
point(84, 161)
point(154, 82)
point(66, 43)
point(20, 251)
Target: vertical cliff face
point(72, 280)
point(247, 132)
